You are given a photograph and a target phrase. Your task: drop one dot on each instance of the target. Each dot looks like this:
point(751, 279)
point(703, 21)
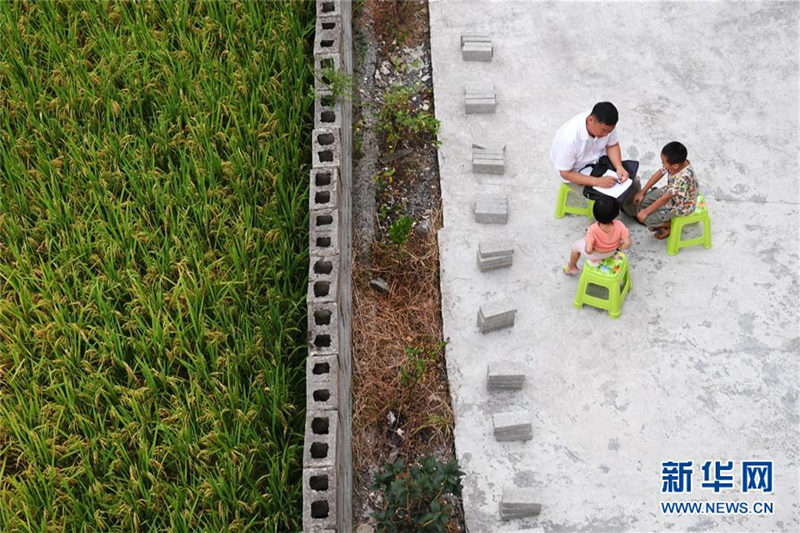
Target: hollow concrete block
point(480, 99)
point(504, 376)
point(324, 189)
point(319, 505)
point(491, 210)
point(519, 503)
point(321, 439)
point(496, 315)
point(488, 161)
point(512, 426)
point(322, 387)
point(476, 48)
point(323, 278)
point(326, 148)
point(328, 35)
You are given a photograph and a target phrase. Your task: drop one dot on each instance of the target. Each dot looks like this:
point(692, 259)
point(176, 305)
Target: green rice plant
point(153, 264)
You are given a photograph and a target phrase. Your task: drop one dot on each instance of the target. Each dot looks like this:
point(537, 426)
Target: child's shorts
point(593, 258)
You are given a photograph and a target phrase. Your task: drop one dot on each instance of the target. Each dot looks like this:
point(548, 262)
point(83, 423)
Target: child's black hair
point(605, 210)
point(675, 152)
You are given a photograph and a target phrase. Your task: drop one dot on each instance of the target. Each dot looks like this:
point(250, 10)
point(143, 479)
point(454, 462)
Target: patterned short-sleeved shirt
point(683, 188)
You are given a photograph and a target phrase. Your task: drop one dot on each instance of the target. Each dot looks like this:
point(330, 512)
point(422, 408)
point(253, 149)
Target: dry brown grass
point(384, 325)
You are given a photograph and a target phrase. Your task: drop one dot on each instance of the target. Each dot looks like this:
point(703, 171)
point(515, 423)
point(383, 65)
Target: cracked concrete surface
point(703, 363)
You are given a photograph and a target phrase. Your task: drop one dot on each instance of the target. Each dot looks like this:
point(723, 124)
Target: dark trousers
point(625, 200)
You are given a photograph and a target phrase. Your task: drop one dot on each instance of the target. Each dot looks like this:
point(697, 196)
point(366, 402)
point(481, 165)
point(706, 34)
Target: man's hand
point(638, 197)
point(604, 182)
point(641, 215)
point(622, 174)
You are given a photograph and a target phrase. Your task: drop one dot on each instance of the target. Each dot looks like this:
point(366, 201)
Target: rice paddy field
point(153, 264)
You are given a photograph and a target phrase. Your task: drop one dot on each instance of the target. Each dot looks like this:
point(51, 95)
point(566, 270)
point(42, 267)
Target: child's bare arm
point(625, 242)
point(657, 175)
point(644, 213)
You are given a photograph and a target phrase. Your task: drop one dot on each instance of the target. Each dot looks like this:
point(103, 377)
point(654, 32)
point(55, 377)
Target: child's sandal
point(569, 271)
point(661, 233)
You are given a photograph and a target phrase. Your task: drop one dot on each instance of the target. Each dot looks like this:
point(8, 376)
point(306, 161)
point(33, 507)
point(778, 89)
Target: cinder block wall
point(327, 457)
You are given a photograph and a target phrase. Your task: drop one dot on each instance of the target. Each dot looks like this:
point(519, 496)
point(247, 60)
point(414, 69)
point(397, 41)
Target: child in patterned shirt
point(657, 206)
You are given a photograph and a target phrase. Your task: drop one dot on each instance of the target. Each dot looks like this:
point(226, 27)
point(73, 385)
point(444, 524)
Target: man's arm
point(582, 179)
point(615, 155)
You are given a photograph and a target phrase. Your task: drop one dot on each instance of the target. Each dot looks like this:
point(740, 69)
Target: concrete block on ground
point(322, 383)
point(494, 263)
point(324, 241)
point(319, 504)
point(320, 441)
point(512, 426)
point(491, 210)
point(328, 35)
point(324, 219)
point(322, 314)
point(323, 63)
point(329, 8)
point(504, 376)
point(476, 48)
point(327, 112)
point(519, 503)
point(326, 148)
point(496, 315)
point(495, 254)
point(480, 99)
point(323, 278)
point(324, 190)
point(488, 161)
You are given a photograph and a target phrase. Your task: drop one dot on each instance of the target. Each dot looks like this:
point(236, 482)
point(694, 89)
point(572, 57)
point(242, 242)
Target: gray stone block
point(491, 210)
point(494, 263)
point(380, 285)
point(476, 48)
point(324, 189)
point(322, 314)
point(328, 35)
point(496, 315)
point(487, 161)
point(322, 383)
point(319, 505)
point(324, 219)
point(478, 99)
point(323, 278)
point(329, 8)
point(512, 426)
point(326, 148)
point(323, 241)
point(321, 439)
point(495, 248)
point(519, 503)
point(327, 112)
point(504, 376)
point(323, 63)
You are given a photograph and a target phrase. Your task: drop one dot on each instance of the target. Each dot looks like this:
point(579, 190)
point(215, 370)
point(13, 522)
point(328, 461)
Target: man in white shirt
point(586, 146)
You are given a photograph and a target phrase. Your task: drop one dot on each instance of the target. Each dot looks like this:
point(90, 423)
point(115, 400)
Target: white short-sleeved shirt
point(573, 148)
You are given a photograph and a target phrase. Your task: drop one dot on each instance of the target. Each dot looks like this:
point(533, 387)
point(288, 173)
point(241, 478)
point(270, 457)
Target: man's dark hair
point(675, 152)
point(605, 210)
point(606, 113)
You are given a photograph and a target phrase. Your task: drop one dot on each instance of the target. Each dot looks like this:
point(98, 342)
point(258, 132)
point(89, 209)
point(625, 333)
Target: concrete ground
point(703, 363)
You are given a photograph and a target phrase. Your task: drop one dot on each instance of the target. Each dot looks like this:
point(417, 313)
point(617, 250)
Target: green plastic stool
point(613, 273)
point(562, 207)
point(700, 214)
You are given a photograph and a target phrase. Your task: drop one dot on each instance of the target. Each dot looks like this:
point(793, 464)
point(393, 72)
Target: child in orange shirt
point(602, 239)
